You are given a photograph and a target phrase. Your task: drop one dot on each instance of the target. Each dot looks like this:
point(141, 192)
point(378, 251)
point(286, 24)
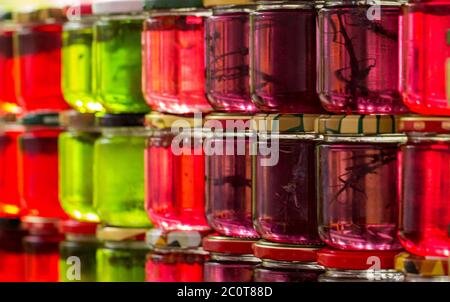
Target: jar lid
point(41, 226)
point(77, 227)
point(357, 124)
point(121, 120)
point(228, 245)
point(423, 124)
point(40, 15)
point(168, 4)
point(423, 266)
point(110, 7)
point(356, 260)
point(284, 123)
point(284, 252)
point(167, 121)
point(157, 238)
point(40, 119)
point(209, 3)
point(120, 234)
point(75, 119)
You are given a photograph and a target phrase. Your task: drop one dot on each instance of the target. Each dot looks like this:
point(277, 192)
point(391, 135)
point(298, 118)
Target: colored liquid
point(358, 198)
point(38, 59)
point(41, 258)
point(121, 265)
point(229, 271)
point(174, 64)
point(229, 190)
point(285, 194)
point(425, 210)
point(12, 262)
point(175, 267)
point(86, 253)
point(283, 61)
point(426, 51)
point(9, 187)
point(117, 65)
point(359, 63)
point(175, 185)
point(8, 100)
point(77, 57)
point(76, 152)
point(263, 274)
point(38, 172)
point(119, 179)
point(227, 69)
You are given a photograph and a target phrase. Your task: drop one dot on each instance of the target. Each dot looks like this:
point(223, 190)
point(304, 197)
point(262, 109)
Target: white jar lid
point(107, 7)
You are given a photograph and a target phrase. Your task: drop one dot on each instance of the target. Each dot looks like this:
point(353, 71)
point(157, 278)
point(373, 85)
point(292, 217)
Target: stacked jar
point(358, 197)
point(284, 196)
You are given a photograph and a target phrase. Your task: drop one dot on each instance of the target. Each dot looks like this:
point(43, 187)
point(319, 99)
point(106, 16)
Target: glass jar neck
point(384, 274)
point(234, 258)
point(139, 16)
point(360, 138)
point(273, 5)
point(125, 131)
point(368, 3)
point(233, 9)
point(81, 238)
point(129, 245)
point(196, 12)
point(423, 137)
point(291, 265)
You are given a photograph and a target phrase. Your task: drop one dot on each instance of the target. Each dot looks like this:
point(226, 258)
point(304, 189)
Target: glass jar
point(118, 55)
point(358, 266)
point(229, 175)
point(423, 269)
point(9, 188)
point(8, 98)
point(175, 256)
point(37, 52)
point(424, 206)
point(76, 152)
point(426, 56)
point(12, 265)
point(286, 263)
point(42, 249)
point(38, 165)
point(78, 84)
point(119, 171)
point(77, 253)
point(232, 259)
point(283, 65)
point(227, 56)
point(284, 184)
point(122, 257)
point(174, 56)
point(175, 173)
point(359, 57)
point(359, 181)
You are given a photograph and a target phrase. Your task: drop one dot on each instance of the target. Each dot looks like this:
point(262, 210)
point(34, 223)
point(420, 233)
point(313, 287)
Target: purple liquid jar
point(228, 177)
point(227, 56)
point(284, 190)
point(359, 58)
point(283, 58)
point(359, 181)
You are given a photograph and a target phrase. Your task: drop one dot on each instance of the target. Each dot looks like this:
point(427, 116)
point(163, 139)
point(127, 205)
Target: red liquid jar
point(174, 57)
point(37, 52)
point(284, 179)
point(232, 259)
point(425, 177)
point(38, 166)
point(426, 56)
point(9, 188)
point(175, 173)
point(359, 182)
point(42, 249)
point(286, 263)
point(12, 261)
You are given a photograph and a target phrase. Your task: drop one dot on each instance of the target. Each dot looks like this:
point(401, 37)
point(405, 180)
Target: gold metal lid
point(167, 121)
point(357, 124)
point(209, 3)
point(120, 234)
point(284, 123)
point(424, 124)
point(423, 266)
point(43, 15)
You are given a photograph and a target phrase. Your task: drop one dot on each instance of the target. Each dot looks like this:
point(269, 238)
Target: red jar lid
point(77, 227)
point(228, 245)
point(283, 252)
point(356, 260)
point(425, 124)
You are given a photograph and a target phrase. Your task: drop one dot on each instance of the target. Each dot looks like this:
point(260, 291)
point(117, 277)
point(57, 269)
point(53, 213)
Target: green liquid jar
point(78, 252)
point(119, 171)
point(76, 160)
point(118, 56)
point(123, 255)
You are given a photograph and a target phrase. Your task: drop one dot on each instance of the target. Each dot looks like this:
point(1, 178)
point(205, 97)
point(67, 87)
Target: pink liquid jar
point(359, 181)
point(426, 56)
